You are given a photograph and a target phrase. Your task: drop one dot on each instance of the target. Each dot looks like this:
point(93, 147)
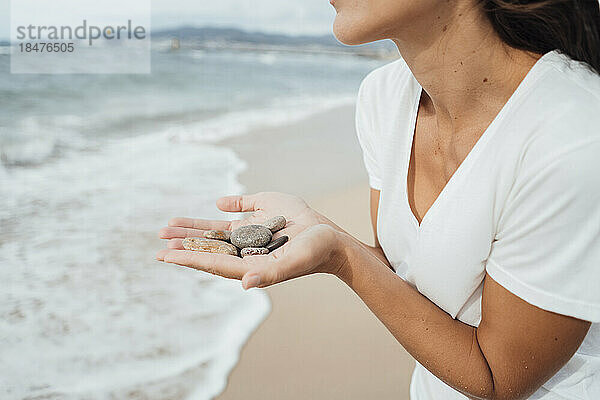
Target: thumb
point(260, 277)
point(242, 203)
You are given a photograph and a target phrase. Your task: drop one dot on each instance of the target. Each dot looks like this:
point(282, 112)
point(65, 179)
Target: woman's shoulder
point(572, 90)
point(388, 80)
point(562, 109)
point(575, 77)
point(558, 124)
point(383, 103)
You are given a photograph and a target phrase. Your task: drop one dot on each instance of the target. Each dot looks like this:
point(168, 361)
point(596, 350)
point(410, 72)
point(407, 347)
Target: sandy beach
point(320, 341)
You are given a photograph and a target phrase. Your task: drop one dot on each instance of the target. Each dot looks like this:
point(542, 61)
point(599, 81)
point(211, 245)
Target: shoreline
point(319, 340)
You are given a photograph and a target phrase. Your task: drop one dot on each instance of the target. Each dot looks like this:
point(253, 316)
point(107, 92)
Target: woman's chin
point(347, 33)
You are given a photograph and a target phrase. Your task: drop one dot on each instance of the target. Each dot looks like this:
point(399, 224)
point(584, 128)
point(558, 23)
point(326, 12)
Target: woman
point(482, 148)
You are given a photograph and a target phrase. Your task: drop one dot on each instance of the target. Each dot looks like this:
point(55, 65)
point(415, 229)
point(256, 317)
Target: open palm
point(313, 250)
point(312, 247)
point(262, 205)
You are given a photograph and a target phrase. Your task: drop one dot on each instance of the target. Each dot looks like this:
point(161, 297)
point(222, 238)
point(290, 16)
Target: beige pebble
point(209, 246)
point(253, 251)
point(218, 235)
point(276, 223)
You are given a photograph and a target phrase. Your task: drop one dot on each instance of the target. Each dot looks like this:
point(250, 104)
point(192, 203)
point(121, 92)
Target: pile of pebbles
point(247, 240)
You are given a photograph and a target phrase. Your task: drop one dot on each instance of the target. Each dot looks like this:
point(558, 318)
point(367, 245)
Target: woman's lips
point(332, 2)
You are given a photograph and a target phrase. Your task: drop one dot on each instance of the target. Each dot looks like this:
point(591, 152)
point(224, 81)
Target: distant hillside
point(211, 37)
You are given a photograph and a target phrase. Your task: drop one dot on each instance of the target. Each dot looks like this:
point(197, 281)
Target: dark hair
point(539, 26)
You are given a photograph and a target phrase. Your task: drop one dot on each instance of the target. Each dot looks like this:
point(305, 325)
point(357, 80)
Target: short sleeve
point(366, 134)
point(547, 244)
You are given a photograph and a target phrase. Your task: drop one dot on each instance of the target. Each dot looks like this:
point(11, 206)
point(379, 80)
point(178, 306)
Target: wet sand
point(320, 341)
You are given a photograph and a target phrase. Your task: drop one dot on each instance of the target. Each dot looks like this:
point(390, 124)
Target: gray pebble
point(218, 235)
point(277, 243)
point(251, 236)
point(276, 223)
point(253, 251)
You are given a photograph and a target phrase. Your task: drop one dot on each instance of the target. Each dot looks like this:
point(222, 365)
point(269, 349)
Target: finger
point(203, 224)
point(285, 263)
point(290, 232)
point(217, 264)
point(160, 256)
point(176, 232)
point(251, 280)
point(242, 203)
point(175, 244)
point(264, 272)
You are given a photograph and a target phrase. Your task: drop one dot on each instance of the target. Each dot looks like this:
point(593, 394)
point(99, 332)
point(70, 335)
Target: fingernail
point(252, 281)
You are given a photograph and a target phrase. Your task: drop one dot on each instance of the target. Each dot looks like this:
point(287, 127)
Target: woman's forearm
point(378, 252)
point(445, 346)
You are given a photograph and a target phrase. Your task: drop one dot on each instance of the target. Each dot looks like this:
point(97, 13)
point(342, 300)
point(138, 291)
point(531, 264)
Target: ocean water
point(91, 166)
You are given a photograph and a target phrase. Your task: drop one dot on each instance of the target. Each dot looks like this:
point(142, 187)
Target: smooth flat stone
point(251, 236)
point(276, 223)
point(277, 243)
point(209, 246)
point(253, 251)
point(218, 235)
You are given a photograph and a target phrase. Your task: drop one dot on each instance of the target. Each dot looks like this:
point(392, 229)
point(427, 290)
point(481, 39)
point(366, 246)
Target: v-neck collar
point(532, 75)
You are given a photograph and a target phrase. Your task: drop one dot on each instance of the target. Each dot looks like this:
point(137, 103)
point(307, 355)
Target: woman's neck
point(463, 66)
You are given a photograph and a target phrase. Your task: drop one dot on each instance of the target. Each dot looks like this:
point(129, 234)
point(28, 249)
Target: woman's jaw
point(363, 21)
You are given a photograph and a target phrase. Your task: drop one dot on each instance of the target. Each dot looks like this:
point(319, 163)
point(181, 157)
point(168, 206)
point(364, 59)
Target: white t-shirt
point(524, 206)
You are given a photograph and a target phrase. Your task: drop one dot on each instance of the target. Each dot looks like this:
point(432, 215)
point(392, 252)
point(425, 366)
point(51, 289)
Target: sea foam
point(86, 312)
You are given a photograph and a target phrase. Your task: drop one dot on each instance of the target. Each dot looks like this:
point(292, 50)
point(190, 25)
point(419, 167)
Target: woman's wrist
point(344, 254)
point(353, 255)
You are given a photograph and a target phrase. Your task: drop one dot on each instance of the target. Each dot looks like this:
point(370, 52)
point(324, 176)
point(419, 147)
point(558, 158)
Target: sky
point(287, 16)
